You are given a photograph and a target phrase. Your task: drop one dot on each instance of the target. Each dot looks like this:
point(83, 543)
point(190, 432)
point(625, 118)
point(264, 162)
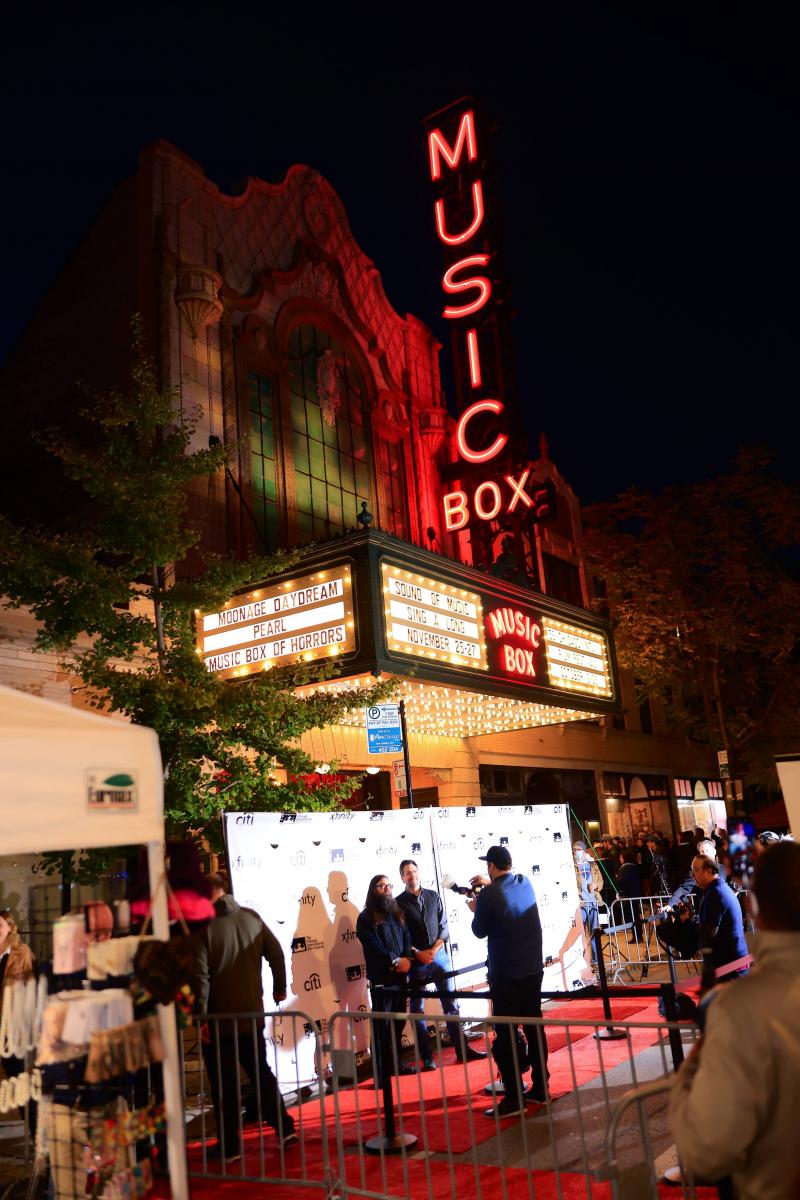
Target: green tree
point(702, 587)
point(106, 579)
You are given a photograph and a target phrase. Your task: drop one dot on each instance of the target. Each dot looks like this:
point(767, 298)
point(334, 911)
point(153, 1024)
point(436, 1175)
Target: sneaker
point(506, 1108)
point(429, 1064)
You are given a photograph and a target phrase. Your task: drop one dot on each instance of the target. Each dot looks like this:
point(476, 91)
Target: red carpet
point(419, 1178)
point(445, 1108)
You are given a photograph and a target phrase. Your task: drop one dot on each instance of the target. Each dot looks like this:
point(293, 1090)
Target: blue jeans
point(591, 918)
point(436, 973)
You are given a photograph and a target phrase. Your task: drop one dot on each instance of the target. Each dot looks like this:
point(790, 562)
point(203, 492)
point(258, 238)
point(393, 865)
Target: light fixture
point(373, 770)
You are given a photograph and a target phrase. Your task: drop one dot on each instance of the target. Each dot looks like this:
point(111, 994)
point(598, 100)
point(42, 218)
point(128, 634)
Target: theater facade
point(431, 551)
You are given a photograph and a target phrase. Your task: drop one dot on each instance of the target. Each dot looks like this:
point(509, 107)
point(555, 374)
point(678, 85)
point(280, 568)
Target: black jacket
point(228, 957)
point(382, 944)
point(424, 927)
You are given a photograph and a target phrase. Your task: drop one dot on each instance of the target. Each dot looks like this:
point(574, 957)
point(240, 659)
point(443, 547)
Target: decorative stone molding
point(329, 386)
point(197, 296)
point(316, 281)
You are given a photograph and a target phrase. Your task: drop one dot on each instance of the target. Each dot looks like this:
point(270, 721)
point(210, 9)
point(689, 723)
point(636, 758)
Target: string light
point(453, 712)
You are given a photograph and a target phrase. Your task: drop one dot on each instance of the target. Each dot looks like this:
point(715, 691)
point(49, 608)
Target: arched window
point(330, 445)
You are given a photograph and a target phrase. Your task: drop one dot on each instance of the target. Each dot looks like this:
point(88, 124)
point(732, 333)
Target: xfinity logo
point(308, 898)
point(353, 973)
point(341, 816)
point(387, 850)
point(447, 845)
point(276, 1040)
point(349, 935)
point(313, 983)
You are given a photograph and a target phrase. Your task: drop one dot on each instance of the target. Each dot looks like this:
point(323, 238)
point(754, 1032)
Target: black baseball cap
point(499, 855)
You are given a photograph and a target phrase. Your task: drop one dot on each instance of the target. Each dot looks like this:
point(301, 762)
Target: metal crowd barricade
point(228, 1064)
point(634, 945)
point(636, 1180)
point(425, 1134)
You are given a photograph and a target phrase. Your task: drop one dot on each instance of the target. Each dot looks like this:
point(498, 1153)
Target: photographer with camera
point(735, 1100)
point(506, 913)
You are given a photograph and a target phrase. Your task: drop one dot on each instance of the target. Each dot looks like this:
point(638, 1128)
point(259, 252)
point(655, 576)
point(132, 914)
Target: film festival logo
point(470, 810)
point(557, 837)
point(454, 947)
point(287, 817)
point(376, 816)
point(527, 810)
point(416, 847)
point(301, 944)
point(353, 973)
point(337, 855)
point(564, 897)
point(503, 841)
point(536, 869)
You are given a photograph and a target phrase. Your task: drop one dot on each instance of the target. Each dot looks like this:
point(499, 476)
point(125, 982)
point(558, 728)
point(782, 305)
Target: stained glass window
point(329, 441)
point(262, 457)
point(394, 488)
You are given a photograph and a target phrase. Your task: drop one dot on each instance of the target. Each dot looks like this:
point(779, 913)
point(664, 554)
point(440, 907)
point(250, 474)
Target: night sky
point(647, 176)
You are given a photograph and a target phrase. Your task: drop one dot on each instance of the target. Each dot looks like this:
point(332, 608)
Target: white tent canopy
point(73, 779)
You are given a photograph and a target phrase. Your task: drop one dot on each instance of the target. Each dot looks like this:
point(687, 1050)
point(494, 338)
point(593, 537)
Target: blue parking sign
point(384, 733)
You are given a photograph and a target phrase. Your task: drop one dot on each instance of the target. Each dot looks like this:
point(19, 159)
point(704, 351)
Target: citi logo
point(313, 983)
point(299, 859)
point(478, 843)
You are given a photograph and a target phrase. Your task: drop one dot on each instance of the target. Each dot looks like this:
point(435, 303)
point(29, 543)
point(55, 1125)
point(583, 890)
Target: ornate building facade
point(273, 327)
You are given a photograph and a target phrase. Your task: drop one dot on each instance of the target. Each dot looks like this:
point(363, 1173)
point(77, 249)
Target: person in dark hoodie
point(229, 953)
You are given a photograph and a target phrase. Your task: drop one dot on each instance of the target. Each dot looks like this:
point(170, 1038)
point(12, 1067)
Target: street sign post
point(399, 776)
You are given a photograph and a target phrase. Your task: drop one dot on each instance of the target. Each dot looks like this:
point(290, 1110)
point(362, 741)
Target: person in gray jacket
point(228, 957)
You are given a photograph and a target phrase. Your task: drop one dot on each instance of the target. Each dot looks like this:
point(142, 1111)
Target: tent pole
point(173, 1093)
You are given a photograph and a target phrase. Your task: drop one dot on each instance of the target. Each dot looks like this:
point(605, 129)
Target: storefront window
point(264, 494)
point(329, 443)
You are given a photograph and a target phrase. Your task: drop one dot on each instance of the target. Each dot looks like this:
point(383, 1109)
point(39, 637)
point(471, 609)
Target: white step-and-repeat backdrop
point(307, 874)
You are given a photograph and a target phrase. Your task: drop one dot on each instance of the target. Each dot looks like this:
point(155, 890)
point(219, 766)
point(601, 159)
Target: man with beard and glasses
point(386, 942)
